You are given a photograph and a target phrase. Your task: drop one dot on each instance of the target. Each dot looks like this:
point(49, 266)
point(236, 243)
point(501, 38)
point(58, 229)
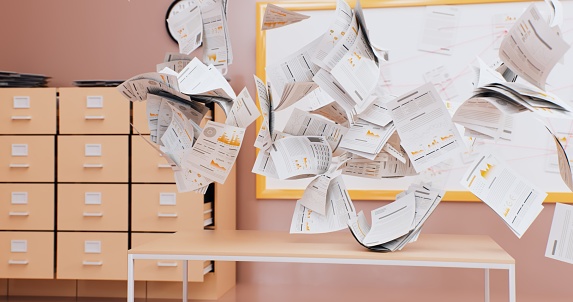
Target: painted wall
point(116, 39)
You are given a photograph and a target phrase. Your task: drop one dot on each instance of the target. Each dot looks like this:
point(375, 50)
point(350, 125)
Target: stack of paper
point(15, 79)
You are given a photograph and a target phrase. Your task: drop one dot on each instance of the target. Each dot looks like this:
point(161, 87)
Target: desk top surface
point(340, 245)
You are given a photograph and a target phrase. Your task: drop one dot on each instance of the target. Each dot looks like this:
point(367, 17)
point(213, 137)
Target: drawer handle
point(167, 215)
point(18, 262)
point(21, 117)
point(166, 264)
point(93, 214)
point(19, 213)
point(19, 165)
point(93, 165)
point(94, 117)
point(92, 263)
point(163, 166)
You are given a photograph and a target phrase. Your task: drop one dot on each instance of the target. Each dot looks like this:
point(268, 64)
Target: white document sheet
point(216, 150)
point(564, 163)
point(301, 156)
point(358, 70)
point(340, 49)
point(366, 137)
point(152, 106)
point(330, 86)
point(178, 137)
point(264, 165)
point(531, 48)
point(302, 123)
point(189, 179)
point(383, 166)
point(198, 79)
point(187, 25)
point(490, 116)
point(264, 140)
point(336, 32)
point(315, 99)
point(513, 198)
point(136, 88)
point(425, 127)
point(293, 92)
point(276, 16)
point(391, 221)
point(297, 67)
point(217, 47)
point(334, 112)
point(244, 111)
point(560, 240)
point(440, 29)
point(339, 209)
point(377, 112)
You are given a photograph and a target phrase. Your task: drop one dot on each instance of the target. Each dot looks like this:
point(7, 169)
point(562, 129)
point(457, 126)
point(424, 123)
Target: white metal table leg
point(511, 273)
point(130, 280)
point(185, 282)
point(486, 299)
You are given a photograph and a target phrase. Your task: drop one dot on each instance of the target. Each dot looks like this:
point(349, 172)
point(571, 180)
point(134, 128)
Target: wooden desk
point(431, 250)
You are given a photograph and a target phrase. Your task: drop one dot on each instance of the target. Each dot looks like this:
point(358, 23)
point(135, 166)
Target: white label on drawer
point(167, 199)
point(93, 150)
point(19, 246)
point(92, 247)
point(94, 101)
point(19, 149)
point(19, 198)
point(21, 102)
point(92, 198)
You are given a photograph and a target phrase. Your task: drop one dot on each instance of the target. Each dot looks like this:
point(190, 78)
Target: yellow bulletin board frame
point(262, 192)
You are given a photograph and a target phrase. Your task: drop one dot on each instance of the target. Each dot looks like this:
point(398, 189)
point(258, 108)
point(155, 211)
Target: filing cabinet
point(26, 158)
point(82, 193)
point(92, 256)
point(93, 207)
point(27, 255)
point(28, 111)
point(93, 111)
point(93, 158)
point(27, 207)
point(159, 208)
point(148, 166)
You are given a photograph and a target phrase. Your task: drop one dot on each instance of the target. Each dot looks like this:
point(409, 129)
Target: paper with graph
point(216, 150)
point(425, 127)
point(511, 196)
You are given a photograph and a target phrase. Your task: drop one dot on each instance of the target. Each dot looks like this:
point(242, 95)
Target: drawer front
point(93, 158)
point(93, 111)
point(27, 158)
point(140, 117)
point(159, 208)
point(27, 207)
point(92, 256)
point(92, 207)
point(27, 255)
point(147, 164)
point(164, 270)
point(28, 111)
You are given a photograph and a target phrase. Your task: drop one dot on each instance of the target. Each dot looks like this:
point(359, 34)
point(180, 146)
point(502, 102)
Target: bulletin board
point(400, 27)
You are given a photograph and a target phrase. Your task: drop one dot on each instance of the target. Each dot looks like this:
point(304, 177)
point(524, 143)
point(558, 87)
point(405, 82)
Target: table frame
point(185, 258)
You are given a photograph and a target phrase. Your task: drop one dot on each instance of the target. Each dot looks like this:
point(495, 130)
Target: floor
point(282, 293)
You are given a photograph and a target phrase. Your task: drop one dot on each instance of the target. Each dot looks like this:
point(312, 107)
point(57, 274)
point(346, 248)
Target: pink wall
point(116, 39)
